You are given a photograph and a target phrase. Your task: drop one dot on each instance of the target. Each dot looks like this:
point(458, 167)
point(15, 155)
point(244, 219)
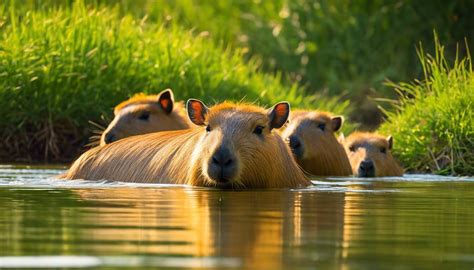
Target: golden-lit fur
point(182, 157)
point(370, 146)
point(321, 153)
point(127, 120)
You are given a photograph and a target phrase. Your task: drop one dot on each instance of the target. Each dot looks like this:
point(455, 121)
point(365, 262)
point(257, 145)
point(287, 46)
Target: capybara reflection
point(234, 146)
point(311, 137)
point(143, 114)
point(369, 154)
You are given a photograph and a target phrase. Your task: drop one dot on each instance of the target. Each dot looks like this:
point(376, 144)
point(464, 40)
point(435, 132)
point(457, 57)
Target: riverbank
point(63, 68)
point(433, 120)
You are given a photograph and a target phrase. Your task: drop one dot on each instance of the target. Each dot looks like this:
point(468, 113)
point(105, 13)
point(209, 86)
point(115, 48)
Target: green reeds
point(433, 124)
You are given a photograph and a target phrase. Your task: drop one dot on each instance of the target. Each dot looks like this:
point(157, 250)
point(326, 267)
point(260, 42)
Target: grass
point(433, 125)
point(61, 67)
point(341, 46)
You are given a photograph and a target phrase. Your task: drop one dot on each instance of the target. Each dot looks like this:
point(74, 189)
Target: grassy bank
point(61, 68)
point(434, 120)
point(342, 46)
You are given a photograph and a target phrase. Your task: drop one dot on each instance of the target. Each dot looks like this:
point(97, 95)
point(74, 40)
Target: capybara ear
point(390, 142)
point(341, 139)
point(166, 100)
point(278, 114)
point(337, 122)
point(196, 111)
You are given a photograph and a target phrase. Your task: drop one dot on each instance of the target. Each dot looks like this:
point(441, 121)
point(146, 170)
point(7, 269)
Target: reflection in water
point(257, 226)
point(339, 223)
point(424, 224)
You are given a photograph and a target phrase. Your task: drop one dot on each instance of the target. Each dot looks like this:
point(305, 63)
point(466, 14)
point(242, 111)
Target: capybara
point(310, 135)
point(370, 155)
point(233, 146)
point(143, 114)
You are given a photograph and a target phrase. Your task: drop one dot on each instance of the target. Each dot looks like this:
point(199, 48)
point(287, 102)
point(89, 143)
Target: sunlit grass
point(434, 122)
point(61, 68)
point(349, 47)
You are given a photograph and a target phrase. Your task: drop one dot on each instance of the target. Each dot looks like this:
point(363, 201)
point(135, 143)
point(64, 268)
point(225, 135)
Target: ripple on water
point(410, 222)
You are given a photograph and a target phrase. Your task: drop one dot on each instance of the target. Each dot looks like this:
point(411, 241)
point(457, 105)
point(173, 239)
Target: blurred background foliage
point(337, 46)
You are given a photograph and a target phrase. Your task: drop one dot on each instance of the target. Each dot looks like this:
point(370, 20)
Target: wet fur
point(367, 146)
point(180, 157)
point(323, 155)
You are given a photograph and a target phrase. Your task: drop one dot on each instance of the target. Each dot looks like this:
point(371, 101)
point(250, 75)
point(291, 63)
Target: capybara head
point(239, 147)
point(310, 135)
point(370, 155)
point(144, 114)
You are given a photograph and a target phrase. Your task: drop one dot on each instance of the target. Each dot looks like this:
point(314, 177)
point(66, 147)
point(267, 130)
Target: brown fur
point(361, 145)
point(323, 155)
point(126, 122)
point(182, 157)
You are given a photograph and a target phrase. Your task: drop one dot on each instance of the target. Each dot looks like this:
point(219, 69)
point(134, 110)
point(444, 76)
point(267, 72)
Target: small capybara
point(310, 135)
point(233, 146)
point(369, 154)
point(143, 114)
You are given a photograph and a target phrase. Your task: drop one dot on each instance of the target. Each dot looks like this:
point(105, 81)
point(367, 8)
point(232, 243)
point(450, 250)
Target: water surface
point(412, 222)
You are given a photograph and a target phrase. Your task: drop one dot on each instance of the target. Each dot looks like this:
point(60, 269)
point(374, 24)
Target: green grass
point(61, 68)
point(433, 125)
point(342, 46)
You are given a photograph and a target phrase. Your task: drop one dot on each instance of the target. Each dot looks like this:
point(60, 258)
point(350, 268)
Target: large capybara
point(234, 146)
point(311, 136)
point(369, 154)
point(143, 114)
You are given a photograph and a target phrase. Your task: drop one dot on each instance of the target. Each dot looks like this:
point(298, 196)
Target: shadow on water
point(343, 222)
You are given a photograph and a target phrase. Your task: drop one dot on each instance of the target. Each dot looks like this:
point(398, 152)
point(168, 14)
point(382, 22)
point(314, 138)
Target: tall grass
point(62, 67)
point(341, 46)
point(434, 122)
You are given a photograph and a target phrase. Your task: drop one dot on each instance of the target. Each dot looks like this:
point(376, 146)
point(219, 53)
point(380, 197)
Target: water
point(414, 222)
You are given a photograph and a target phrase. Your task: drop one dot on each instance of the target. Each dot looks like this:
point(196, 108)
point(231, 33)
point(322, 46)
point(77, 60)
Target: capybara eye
point(258, 130)
point(144, 116)
point(352, 148)
point(322, 126)
point(208, 128)
point(383, 150)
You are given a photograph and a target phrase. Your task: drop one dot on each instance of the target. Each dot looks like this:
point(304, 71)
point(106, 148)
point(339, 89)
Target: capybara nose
point(367, 168)
point(296, 145)
point(223, 165)
point(109, 137)
point(222, 158)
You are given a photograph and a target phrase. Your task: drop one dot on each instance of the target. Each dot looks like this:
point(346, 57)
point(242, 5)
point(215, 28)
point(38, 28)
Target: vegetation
point(340, 46)
point(434, 121)
point(61, 68)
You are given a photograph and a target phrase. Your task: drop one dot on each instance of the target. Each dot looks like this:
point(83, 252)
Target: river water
point(410, 222)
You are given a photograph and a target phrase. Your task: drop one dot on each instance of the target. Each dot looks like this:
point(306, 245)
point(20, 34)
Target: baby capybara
point(311, 137)
point(143, 114)
point(370, 156)
point(233, 146)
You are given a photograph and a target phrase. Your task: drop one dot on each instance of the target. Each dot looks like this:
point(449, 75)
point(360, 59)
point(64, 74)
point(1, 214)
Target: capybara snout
point(222, 166)
point(108, 137)
point(296, 146)
point(366, 168)
point(370, 155)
